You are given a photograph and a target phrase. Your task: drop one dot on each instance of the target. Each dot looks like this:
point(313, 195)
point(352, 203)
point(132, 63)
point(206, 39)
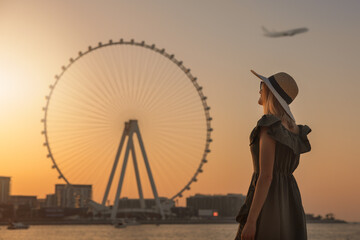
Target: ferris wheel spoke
point(77, 107)
point(157, 92)
point(185, 160)
point(159, 178)
point(88, 133)
point(183, 123)
point(133, 73)
point(166, 159)
point(142, 83)
point(175, 111)
point(109, 78)
point(154, 75)
point(151, 67)
point(97, 70)
point(169, 179)
point(107, 169)
point(86, 120)
point(67, 126)
point(85, 81)
point(81, 169)
point(76, 142)
point(70, 159)
point(179, 170)
point(73, 149)
point(122, 77)
point(83, 105)
point(63, 137)
point(117, 79)
point(186, 127)
point(126, 78)
point(95, 162)
point(182, 96)
point(171, 99)
point(110, 156)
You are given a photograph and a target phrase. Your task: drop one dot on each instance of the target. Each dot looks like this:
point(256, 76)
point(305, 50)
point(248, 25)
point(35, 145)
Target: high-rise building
point(222, 205)
point(72, 196)
point(4, 189)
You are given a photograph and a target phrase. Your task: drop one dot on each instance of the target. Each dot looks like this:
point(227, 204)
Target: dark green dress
point(282, 216)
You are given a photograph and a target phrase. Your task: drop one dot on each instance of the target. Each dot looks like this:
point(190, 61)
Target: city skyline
point(211, 205)
point(220, 43)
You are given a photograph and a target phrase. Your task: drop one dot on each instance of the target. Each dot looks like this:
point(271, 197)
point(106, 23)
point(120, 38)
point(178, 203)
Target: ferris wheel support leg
point(142, 202)
point(116, 203)
point(157, 200)
point(114, 168)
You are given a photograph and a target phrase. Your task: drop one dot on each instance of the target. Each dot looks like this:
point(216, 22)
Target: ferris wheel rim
point(172, 58)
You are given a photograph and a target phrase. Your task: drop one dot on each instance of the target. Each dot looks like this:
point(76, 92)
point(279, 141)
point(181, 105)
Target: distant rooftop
point(23, 196)
point(73, 185)
point(217, 195)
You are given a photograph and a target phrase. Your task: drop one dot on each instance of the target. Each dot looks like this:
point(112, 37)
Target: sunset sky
point(220, 41)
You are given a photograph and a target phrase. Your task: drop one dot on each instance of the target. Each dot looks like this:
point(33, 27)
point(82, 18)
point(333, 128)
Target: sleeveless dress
point(282, 216)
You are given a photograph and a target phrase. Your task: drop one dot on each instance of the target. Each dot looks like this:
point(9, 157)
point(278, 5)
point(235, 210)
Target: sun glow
point(8, 84)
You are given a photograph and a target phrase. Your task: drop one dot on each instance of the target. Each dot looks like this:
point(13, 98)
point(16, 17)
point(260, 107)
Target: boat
point(123, 222)
point(120, 224)
point(17, 225)
point(131, 221)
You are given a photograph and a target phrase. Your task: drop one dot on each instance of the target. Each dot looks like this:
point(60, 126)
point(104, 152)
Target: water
point(316, 231)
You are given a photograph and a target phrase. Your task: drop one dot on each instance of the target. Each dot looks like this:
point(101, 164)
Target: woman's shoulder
point(268, 120)
point(297, 141)
point(273, 120)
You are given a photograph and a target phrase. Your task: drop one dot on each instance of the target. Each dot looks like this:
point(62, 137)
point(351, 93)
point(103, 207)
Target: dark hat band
point(281, 92)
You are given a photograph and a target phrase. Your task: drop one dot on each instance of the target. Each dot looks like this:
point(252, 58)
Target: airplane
point(291, 32)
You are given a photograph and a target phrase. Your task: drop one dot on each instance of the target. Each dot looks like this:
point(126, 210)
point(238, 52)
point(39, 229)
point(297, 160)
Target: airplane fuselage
point(291, 32)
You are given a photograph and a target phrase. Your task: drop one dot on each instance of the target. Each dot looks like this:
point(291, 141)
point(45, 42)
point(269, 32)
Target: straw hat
point(284, 88)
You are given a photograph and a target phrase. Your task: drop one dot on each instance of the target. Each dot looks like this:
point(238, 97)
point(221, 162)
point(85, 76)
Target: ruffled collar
point(299, 143)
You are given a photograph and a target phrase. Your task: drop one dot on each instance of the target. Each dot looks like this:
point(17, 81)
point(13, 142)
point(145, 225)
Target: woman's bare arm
point(266, 161)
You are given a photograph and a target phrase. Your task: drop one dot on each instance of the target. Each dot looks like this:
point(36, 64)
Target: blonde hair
point(272, 106)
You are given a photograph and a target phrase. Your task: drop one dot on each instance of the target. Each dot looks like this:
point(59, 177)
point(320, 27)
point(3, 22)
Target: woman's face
point(262, 93)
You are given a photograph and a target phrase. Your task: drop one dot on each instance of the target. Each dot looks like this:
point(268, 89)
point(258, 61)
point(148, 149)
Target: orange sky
point(220, 43)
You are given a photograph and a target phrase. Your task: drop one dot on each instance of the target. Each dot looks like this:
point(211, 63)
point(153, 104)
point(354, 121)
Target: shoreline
point(155, 222)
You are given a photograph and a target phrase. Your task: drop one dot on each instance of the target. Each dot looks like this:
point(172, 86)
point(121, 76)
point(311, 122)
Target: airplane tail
point(264, 29)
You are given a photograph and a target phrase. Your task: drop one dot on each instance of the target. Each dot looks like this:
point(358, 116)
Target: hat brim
point(275, 93)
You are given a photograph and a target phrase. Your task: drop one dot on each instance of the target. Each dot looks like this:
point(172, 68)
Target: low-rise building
point(72, 196)
point(135, 202)
point(50, 200)
point(22, 200)
point(24, 206)
point(6, 211)
point(218, 205)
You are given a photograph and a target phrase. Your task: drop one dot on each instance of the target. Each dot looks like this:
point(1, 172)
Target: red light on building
point(215, 214)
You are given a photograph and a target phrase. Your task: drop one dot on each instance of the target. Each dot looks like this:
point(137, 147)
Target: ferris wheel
point(126, 99)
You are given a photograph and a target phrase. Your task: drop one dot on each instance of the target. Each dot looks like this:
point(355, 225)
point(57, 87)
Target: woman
point(273, 208)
